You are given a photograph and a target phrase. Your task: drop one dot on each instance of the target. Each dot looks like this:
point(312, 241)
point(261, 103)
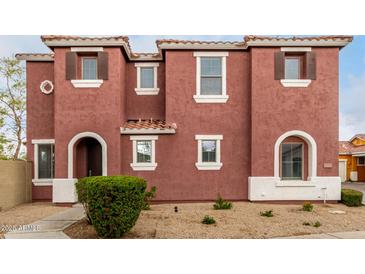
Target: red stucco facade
point(259, 110)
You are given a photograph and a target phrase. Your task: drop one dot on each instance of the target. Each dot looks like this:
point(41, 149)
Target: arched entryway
point(87, 155)
point(88, 158)
point(298, 151)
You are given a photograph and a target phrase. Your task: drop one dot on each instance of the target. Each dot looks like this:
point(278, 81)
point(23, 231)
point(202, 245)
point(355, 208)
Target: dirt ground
point(26, 213)
point(242, 221)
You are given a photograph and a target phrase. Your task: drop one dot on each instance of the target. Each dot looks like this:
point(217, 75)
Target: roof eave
point(34, 57)
point(268, 43)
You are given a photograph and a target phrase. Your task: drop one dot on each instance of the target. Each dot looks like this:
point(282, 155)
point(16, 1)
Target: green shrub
point(317, 224)
point(148, 196)
point(307, 206)
point(306, 223)
point(351, 197)
point(267, 213)
point(208, 220)
point(81, 193)
point(220, 203)
point(113, 202)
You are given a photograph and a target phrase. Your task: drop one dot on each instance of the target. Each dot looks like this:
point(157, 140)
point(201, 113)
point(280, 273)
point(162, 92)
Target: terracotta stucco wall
point(99, 110)
point(143, 106)
point(176, 176)
point(276, 110)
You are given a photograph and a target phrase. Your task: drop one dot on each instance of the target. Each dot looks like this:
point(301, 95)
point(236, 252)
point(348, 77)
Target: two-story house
point(250, 120)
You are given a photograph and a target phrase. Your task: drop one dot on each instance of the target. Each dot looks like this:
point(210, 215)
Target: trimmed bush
point(351, 197)
point(208, 220)
point(317, 224)
point(307, 206)
point(220, 203)
point(113, 203)
point(148, 196)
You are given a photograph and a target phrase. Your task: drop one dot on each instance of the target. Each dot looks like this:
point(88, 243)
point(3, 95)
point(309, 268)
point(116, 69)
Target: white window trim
point(81, 83)
point(199, 98)
point(36, 181)
point(147, 91)
point(144, 166)
point(295, 83)
point(200, 165)
point(296, 49)
point(87, 49)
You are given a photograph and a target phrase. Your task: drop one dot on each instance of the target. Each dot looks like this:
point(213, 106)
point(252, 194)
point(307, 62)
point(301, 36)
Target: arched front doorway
point(87, 155)
point(293, 148)
point(88, 158)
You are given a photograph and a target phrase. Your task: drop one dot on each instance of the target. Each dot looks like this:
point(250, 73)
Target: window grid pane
point(147, 77)
point(292, 161)
point(144, 151)
point(209, 151)
point(89, 69)
point(46, 161)
point(211, 76)
point(292, 68)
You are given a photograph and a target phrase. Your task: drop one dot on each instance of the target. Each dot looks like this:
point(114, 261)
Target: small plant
point(306, 223)
point(351, 197)
point(317, 224)
point(208, 220)
point(307, 206)
point(148, 196)
point(267, 213)
point(220, 203)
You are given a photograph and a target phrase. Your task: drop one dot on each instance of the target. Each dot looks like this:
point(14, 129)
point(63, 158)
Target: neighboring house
point(250, 120)
point(352, 159)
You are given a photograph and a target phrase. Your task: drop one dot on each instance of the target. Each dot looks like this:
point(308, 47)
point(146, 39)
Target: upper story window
point(295, 67)
point(361, 161)
point(87, 67)
point(211, 77)
point(147, 79)
point(209, 152)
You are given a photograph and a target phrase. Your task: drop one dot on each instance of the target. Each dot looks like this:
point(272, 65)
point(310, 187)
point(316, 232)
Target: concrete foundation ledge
point(275, 189)
point(64, 191)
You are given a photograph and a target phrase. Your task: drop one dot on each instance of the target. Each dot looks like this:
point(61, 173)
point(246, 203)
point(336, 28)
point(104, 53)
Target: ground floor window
point(44, 161)
point(292, 161)
point(144, 152)
point(361, 161)
point(209, 152)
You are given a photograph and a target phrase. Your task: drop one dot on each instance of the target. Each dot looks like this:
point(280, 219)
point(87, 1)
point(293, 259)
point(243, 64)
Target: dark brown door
point(94, 158)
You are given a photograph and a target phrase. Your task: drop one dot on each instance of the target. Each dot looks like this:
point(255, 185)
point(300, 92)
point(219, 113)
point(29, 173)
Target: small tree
point(12, 107)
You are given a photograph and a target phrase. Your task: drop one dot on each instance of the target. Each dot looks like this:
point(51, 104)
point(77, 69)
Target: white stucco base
point(274, 189)
point(64, 191)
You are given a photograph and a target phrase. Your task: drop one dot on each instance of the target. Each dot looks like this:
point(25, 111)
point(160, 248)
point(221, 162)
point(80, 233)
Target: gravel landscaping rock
point(242, 221)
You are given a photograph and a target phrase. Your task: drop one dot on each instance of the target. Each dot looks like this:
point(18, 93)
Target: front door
point(342, 170)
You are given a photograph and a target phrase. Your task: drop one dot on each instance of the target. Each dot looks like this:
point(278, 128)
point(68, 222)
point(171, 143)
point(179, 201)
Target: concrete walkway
point(335, 235)
point(50, 227)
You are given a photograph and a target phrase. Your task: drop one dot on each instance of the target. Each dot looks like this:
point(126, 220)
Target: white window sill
point(86, 83)
point(295, 183)
point(208, 166)
point(143, 166)
point(147, 91)
point(217, 99)
point(295, 83)
point(42, 182)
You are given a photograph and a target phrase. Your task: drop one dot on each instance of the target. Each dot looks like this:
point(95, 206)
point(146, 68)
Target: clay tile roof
point(174, 41)
point(35, 56)
point(74, 38)
point(298, 38)
point(346, 147)
point(360, 136)
point(148, 124)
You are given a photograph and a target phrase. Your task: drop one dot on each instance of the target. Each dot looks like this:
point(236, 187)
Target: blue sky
point(352, 70)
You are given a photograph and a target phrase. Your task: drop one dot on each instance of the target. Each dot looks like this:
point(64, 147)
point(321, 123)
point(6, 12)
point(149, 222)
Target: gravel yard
point(242, 221)
point(26, 213)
